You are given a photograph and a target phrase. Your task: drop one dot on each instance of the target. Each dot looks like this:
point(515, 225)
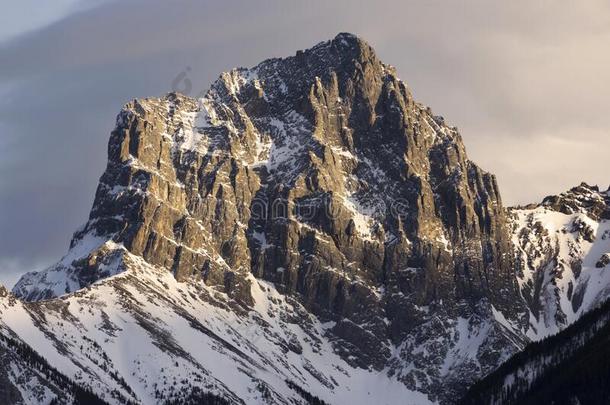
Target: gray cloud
point(26, 15)
point(528, 85)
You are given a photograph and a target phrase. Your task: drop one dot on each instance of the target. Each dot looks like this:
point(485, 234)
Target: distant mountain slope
point(571, 368)
point(563, 257)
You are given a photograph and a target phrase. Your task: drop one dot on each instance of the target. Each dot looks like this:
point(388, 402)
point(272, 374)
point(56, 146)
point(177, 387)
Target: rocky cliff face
point(320, 174)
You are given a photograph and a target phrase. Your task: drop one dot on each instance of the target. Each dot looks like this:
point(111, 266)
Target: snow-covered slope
point(563, 246)
point(27, 378)
point(568, 368)
point(143, 336)
point(563, 250)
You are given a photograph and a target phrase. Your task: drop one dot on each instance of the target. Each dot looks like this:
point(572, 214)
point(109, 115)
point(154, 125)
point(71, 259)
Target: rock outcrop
point(584, 199)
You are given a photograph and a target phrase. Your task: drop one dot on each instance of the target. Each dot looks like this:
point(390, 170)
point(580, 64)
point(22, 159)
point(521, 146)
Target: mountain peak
point(348, 37)
point(345, 56)
point(582, 198)
point(343, 43)
point(347, 42)
point(320, 174)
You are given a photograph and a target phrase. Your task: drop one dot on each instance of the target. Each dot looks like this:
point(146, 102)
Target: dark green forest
point(70, 392)
point(578, 371)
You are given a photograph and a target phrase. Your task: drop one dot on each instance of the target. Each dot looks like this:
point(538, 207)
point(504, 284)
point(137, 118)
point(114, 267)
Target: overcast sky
point(527, 83)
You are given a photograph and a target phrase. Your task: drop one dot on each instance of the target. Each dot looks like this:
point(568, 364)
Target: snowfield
point(146, 336)
point(559, 263)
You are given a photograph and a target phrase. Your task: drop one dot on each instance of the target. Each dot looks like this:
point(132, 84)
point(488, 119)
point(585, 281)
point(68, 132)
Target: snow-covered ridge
point(66, 276)
point(581, 199)
point(561, 245)
point(147, 337)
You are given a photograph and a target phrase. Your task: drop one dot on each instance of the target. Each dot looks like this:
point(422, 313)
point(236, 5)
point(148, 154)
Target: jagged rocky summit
point(309, 202)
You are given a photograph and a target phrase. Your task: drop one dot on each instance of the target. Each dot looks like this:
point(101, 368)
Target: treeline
point(572, 367)
point(69, 391)
point(306, 395)
point(196, 396)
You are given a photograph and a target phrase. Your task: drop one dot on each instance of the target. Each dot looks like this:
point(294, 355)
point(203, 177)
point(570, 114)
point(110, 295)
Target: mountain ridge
point(561, 244)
